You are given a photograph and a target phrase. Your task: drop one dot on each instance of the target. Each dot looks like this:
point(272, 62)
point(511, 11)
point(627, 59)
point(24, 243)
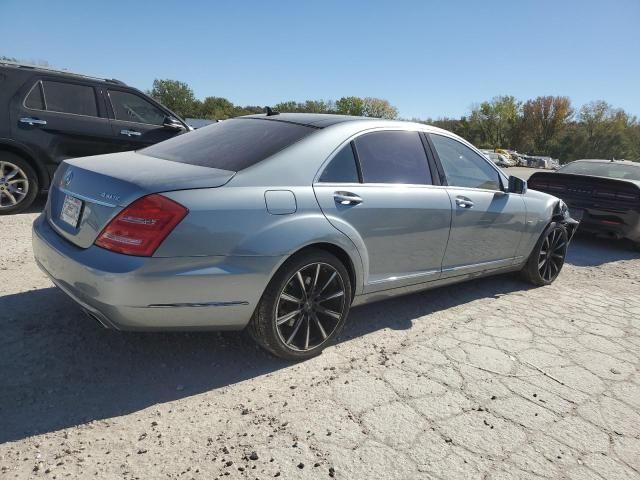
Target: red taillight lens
point(141, 227)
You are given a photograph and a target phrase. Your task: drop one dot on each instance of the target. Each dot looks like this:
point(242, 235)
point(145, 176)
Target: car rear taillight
point(141, 227)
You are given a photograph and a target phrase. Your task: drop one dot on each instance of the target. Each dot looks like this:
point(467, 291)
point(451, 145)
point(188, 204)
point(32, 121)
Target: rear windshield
point(602, 169)
point(230, 145)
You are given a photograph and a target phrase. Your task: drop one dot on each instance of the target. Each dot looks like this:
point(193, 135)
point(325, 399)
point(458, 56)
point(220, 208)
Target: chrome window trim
point(325, 163)
point(44, 99)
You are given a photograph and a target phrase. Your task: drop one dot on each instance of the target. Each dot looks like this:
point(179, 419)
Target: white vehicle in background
point(499, 159)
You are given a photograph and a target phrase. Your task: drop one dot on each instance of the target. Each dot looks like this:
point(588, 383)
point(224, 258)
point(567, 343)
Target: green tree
point(317, 106)
point(247, 110)
point(378, 108)
point(308, 106)
point(216, 108)
point(545, 119)
point(350, 106)
point(496, 121)
point(286, 107)
point(175, 95)
point(604, 132)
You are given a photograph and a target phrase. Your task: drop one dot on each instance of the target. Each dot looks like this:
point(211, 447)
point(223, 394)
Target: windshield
point(603, 169)
point(230, 145)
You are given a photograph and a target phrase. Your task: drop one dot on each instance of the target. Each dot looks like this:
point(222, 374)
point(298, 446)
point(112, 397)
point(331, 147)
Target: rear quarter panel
point(234, 221)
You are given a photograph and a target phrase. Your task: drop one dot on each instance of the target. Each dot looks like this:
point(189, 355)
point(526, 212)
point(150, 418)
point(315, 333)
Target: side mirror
point(517, 185)
point(171, 123)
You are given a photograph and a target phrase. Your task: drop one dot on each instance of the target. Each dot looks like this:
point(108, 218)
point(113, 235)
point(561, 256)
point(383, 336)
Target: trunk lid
point(586, 191)
point(105, 184)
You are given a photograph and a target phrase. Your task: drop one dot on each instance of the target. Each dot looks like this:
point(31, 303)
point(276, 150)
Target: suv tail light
point(141, 227)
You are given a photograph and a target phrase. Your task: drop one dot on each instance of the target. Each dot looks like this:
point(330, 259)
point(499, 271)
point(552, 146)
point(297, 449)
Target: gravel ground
point(488, 379)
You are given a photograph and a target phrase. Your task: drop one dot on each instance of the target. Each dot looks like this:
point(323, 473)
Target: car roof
point(322, 120)
point(61, 73)
point(318, 120)
point(598, 160)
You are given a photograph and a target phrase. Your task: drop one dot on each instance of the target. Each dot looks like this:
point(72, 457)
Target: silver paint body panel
point(211, 271)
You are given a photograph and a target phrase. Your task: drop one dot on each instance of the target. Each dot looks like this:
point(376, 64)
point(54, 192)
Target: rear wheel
point(18, 184)
point(546, 260)
point(304, 307)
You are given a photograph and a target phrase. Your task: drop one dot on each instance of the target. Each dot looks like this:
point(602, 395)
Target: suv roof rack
point(62, 72)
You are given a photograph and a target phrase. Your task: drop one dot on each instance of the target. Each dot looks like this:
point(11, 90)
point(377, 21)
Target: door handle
point(130, 133)
point(347, 198)
point(32, 121)
point(464, 202)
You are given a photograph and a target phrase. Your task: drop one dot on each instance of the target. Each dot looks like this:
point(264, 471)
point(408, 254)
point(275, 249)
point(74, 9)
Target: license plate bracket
point(71, 210)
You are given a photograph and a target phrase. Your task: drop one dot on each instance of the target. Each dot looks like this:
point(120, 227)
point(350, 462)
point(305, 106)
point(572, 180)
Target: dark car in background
point(603, 194)
point(47, 116)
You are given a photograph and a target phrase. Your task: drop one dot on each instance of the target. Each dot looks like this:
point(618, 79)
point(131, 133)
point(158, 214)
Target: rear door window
point(230, 145)
point(393, 157)
point(70, 98)
point(133, 108)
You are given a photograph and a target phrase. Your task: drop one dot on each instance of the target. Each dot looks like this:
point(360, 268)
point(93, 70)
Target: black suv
point(47, 116)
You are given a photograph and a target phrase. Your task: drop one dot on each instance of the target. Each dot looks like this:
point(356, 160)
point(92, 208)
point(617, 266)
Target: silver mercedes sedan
point(279, 223)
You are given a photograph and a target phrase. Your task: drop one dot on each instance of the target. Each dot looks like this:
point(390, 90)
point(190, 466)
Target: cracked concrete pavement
point(488, 379)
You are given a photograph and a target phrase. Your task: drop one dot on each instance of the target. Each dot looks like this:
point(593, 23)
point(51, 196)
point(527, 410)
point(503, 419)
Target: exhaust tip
point(95, 317)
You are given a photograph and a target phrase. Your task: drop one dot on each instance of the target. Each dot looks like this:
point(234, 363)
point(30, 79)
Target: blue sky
point(428, 58)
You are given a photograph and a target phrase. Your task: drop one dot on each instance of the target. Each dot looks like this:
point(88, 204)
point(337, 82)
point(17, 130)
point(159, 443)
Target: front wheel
point(304, 307)
point(546, 260)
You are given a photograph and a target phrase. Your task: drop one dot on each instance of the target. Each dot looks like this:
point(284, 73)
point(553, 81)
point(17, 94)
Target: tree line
point(179, 97)
point(545, 125)
point(549, 125)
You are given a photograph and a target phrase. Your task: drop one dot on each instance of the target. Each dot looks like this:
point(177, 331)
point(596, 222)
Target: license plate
point(71, 209)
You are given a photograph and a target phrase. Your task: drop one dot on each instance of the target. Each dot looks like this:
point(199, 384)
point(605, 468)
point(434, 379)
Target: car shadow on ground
point(60, 369)
point(590, 251)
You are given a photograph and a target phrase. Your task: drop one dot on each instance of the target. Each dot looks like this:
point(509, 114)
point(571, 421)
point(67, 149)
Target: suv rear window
point(230, 145)
point(70, 98)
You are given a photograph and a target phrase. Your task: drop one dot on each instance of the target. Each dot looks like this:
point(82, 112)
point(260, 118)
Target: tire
point(18, 184)
point(548, 256)
point(303, 335)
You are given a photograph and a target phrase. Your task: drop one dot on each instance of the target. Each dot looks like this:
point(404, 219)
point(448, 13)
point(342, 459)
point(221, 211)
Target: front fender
point(542, 209)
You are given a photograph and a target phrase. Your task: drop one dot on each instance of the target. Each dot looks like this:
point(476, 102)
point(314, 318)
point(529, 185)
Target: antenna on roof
point(270, 112)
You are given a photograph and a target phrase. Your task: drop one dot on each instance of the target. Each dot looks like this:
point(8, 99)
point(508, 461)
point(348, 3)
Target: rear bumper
point(136, 293)
point(613, 223)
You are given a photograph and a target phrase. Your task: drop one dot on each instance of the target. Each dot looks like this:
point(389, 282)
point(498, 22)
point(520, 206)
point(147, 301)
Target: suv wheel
point(304, 307)
point(18, 184)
